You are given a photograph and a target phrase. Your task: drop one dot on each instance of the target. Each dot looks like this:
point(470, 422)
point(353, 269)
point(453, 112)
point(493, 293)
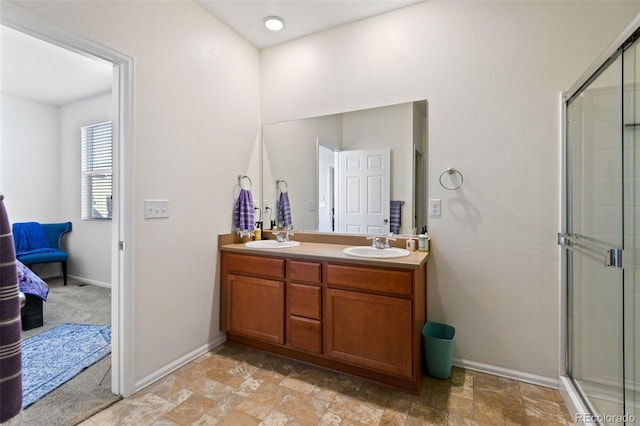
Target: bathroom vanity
point(316, 304)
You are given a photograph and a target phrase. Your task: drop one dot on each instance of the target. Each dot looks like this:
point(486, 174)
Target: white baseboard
point(573, 401)
point(170, 368)
point(508, 373)
point(45, 276)
point(90, 281)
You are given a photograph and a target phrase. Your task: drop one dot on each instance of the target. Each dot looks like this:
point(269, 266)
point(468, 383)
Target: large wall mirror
point(355, 172)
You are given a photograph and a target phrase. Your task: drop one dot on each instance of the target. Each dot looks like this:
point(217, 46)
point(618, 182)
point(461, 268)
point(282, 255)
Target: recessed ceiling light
point(274, 23)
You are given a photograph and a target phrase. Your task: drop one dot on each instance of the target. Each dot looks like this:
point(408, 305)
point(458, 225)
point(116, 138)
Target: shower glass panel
point(602, 236)
point(594, 147)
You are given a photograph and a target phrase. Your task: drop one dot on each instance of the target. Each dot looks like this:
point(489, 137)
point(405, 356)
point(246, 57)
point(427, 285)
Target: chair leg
point(64, 272)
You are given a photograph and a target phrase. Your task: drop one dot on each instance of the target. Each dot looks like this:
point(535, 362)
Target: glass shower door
point(631, 202)
point(603, 223)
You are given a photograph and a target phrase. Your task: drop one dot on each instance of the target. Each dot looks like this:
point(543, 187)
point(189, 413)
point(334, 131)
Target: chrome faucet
point(379, 244)
point(283, 238)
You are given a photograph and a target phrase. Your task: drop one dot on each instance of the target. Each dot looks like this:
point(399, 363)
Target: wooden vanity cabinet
point(358, 319)
point(254, 290)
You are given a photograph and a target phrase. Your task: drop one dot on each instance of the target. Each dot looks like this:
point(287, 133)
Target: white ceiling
point(37, 70)
point(40, 71)
point(301, 17)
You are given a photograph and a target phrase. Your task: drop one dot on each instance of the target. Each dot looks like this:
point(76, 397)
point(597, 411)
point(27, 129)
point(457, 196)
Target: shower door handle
point(596, 250)
point(613, 258)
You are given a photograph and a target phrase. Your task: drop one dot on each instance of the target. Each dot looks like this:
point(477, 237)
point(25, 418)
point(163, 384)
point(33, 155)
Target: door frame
point(321, 144)
point(122, 356)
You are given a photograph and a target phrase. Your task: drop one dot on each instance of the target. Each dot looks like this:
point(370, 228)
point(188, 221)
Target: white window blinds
point(97, 177)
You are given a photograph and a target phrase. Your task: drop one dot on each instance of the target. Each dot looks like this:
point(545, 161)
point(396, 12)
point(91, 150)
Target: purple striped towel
point(284, 210)
point(10, 325)
point(244, 212)
point(396, 214)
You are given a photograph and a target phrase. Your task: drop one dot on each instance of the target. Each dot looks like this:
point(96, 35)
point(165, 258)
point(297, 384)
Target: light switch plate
point(435, 207)
point(156, 209)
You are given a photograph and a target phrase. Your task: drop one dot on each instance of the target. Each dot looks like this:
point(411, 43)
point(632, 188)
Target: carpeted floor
point(90, 391)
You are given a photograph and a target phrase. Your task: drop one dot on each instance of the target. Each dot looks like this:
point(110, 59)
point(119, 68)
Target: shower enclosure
point(600, 238)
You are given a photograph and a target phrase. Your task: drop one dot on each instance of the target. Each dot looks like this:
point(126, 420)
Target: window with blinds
point(97, 176)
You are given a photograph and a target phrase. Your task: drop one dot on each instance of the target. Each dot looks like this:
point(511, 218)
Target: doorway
point(601, 238)
point(327, 160)
point(122, 378)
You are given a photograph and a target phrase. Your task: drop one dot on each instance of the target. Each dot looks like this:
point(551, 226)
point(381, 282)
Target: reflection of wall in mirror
point(290, 151)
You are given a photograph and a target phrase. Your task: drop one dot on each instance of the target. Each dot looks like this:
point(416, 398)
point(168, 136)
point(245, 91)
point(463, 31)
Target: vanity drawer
point(309, 272)
point(305, 300)
point(255, 265)
point(305, 334)
point(369, 279)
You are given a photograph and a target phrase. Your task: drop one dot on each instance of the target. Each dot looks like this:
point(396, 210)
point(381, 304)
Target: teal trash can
point(438, 348)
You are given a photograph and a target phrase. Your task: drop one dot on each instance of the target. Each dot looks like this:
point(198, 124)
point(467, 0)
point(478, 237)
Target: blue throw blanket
point(29, 237)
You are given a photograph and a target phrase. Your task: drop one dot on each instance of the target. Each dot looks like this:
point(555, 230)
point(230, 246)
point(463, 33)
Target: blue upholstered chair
point(40, 243)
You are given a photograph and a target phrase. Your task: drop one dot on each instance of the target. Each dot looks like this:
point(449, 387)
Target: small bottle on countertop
point(423, 242)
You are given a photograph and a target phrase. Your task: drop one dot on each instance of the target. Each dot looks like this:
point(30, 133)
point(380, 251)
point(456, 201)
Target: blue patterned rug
point(59, 354)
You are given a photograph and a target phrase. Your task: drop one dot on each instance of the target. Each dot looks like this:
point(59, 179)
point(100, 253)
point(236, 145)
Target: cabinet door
point(369, 331)
point(256, 307)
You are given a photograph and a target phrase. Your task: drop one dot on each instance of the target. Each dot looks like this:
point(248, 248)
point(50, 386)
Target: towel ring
point(240, 177)
point(451, 171)
point(286, 185)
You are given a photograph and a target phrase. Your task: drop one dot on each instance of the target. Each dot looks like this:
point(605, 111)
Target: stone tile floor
point(235, 385)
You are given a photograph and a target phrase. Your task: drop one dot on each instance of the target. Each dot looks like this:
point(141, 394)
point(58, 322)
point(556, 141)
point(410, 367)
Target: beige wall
point(492, 73)
point(196, 120)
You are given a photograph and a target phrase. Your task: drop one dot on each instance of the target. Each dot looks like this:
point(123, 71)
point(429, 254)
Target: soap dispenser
point(257, 233)
point(423, 240)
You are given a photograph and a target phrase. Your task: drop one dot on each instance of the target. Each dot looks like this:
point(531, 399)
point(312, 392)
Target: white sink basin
point(271, 244)
point(376, 253)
